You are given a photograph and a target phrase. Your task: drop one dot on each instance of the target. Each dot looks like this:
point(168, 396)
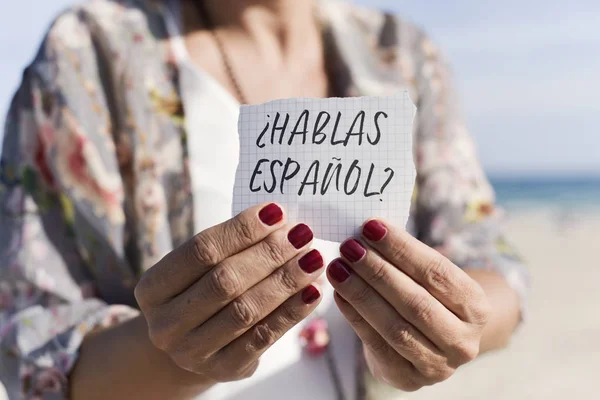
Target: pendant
point(314, 337)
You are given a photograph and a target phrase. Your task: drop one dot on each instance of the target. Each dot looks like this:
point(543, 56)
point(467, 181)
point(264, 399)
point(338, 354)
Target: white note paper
point(336, 162)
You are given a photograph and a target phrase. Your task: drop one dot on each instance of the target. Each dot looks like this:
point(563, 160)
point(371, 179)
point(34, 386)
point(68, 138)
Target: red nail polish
point(310, 294)
point(311, 261)
point(300, 236)
point(352, 250)
point(338, 271)
point(374, 230)
point(270, 214)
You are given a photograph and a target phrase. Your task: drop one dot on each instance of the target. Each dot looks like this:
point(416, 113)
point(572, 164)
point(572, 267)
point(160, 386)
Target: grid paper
point(334, 215)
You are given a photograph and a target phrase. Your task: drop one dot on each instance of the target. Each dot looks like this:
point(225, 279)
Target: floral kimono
point(95, 187)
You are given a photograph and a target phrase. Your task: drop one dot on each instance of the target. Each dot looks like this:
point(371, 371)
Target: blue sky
point(528, 73)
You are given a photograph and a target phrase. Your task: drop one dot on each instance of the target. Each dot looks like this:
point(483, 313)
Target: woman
point(104, 176)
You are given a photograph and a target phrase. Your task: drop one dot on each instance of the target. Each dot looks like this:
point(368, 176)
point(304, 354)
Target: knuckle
point(434, 374)
point(410, 386)
point(444, 374)
point(355, 318)
point(379, 347)
point(273, 250)
point(248, 370)
point(400, 333)
point(429, 373)
point(184, 361)
point(379, 273)
point(200, 351)
point(286, 280)
point(223, 372)
point(242, 314)
point(253, 367)
point(160, 338)
point(204, 249)
point(421, 308)
point(140, 291)
point(436, 274)
point(481, 310)
point(462, 305)
point(243, 229)
point(290, 315)
point(409, 383)
point(224, 283)
point(262, 337)
point(401, 250)
point(465, 352)
point(361, 295)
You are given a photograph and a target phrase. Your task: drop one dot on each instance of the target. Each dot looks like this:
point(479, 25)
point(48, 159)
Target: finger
point(442, 278)
point(409, 299)
point(258, 302)
point(403, 337)
point(235, 275)
point(183, 266)
point(252, 344)
point(410, 378)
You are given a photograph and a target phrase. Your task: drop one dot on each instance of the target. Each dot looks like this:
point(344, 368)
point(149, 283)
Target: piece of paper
point(331, 163)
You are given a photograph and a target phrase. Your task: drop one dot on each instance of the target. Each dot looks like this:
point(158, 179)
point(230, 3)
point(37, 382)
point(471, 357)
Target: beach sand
point(556, 353)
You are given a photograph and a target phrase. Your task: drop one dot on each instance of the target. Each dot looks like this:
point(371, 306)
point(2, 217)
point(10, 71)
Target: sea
point(560, 194)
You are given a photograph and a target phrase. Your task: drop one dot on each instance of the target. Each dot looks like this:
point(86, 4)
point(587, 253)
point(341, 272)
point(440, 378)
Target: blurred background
point(528, 73)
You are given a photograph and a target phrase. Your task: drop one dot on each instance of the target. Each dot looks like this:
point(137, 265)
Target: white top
point(213, 148)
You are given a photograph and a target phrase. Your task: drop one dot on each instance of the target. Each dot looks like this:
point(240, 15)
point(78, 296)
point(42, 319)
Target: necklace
point(316, 340)
point(210, 25)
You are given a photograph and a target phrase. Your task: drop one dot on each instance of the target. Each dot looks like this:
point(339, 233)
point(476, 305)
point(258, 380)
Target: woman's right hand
point(216, 303)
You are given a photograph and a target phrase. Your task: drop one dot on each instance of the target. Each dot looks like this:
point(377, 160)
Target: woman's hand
point(419, 316)
point(216, 303)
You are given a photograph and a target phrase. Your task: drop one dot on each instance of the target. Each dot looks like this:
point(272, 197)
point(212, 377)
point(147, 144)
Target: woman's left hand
point(419, 316)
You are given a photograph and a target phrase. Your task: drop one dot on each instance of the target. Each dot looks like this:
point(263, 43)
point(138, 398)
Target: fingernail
point(270, 214)
point(300, 236)
point(374, 230)
point(311, 261)
point(310, 294)
point(352, 250)
point(338, 271)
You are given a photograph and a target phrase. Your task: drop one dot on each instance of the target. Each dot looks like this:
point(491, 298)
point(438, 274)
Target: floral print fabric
point(94, 187)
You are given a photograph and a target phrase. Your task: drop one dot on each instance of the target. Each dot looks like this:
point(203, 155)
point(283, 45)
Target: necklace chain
point(206, 17)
